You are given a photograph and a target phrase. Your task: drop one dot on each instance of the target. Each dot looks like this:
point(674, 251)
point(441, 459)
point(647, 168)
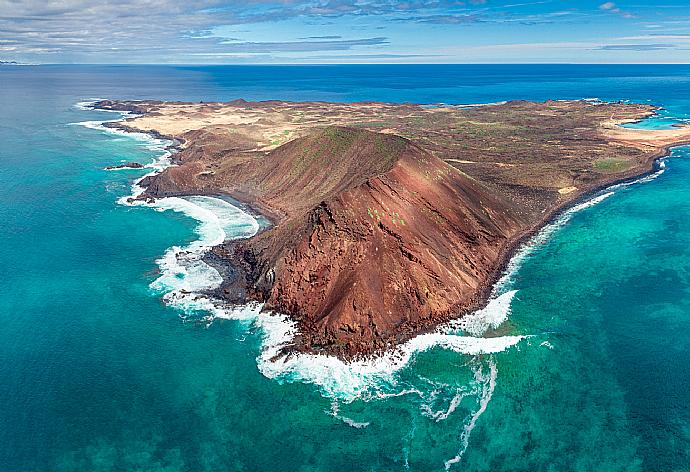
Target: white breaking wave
point(183, 271)
point(491, 316)
point(157, 145)
point(151, 143)
point(363, 378)
point(540, 238)
point(87, 105)
point(642, 180)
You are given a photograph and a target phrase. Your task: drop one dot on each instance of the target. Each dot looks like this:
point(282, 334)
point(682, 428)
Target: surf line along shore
point(388, 219)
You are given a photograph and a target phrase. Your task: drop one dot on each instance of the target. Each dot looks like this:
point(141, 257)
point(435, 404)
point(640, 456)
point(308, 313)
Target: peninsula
point(388, 219)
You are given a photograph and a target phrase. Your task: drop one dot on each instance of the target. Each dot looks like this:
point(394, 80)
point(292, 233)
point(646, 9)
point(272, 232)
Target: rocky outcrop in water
point(127, 165)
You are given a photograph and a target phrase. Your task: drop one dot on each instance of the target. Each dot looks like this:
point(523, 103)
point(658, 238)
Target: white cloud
point(612, 8)
point(656, 37)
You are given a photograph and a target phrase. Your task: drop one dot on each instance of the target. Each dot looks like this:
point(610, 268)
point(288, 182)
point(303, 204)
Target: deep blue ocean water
point(98, 374)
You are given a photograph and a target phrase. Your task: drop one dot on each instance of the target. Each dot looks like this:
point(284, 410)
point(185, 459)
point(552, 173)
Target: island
point(388, 220)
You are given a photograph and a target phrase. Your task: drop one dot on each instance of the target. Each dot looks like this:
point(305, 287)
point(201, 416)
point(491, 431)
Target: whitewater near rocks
point(185, 281)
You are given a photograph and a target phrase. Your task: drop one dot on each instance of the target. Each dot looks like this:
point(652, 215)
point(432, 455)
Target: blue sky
point(343, 31)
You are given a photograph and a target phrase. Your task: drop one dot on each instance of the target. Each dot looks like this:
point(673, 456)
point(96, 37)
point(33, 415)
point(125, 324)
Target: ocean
point(580, 362)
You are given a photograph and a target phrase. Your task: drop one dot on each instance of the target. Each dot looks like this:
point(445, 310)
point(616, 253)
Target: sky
point(344, 31)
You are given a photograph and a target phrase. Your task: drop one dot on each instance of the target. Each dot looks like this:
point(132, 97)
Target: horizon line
point(283, 64)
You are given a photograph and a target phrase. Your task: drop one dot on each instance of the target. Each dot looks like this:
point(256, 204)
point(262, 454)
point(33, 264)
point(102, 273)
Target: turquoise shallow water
point(97, 373)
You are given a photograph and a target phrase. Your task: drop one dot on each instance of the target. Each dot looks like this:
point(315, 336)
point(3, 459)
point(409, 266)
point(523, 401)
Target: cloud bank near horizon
point(298, 31)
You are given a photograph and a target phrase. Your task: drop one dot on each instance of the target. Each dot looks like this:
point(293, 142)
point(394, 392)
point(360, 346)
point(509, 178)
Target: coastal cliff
point(387, 219)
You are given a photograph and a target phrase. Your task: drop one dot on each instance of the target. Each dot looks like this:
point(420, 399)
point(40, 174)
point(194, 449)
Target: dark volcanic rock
point(115, 105)
point(128, 165)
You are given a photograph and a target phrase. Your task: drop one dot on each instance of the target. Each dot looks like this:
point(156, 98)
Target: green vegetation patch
point(611, 164)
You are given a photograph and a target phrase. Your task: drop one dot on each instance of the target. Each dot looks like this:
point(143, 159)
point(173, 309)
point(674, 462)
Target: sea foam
point(491, 316)
point(183, 272)
point(185, 280)
point(486, 382)
point(185, 277)
point(365, 378)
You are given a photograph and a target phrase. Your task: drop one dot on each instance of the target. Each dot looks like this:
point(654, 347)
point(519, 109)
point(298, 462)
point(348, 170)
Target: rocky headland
point(388, 219)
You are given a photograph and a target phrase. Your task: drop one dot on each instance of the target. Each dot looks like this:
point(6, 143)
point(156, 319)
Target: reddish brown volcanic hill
point(389, 256)
point(375, 238)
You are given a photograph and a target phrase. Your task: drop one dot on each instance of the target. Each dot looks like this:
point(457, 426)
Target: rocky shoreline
point(243, 272)
point(581, 197)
